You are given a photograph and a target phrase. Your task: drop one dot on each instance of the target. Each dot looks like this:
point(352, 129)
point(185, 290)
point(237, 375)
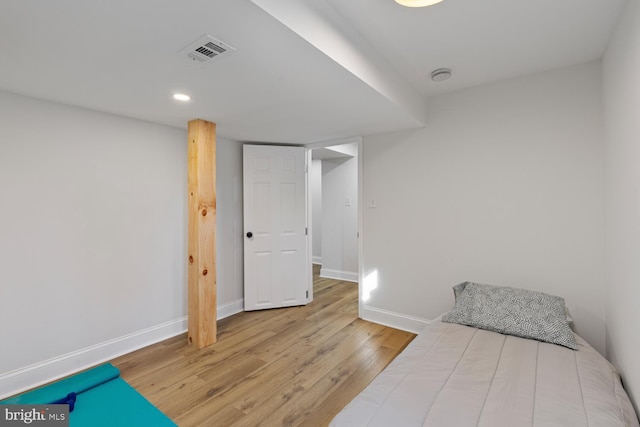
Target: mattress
point(454, 375)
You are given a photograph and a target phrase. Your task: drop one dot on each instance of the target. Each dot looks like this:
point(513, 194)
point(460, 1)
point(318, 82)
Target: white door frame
point(358, 140)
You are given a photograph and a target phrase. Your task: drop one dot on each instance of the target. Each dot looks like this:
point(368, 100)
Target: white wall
point(503, 186)
point(93, 241)
point(229, 228)
point(621, 90)
point(339, 221)
point(315, 178)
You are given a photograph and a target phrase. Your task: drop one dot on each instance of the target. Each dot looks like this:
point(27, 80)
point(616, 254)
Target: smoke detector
point(441, 74)
point(206, 48)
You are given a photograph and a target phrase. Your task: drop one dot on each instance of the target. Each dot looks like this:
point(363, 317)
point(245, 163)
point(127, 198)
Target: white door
point(277, 268)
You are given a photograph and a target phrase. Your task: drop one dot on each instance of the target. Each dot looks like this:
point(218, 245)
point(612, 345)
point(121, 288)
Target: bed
point(458, 375)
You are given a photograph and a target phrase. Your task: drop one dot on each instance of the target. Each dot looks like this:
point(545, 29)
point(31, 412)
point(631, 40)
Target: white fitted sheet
point(454, 375)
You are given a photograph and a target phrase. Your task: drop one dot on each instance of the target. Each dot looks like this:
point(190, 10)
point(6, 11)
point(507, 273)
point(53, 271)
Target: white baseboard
point(231, 308)
point(349, 276)
point(31, 376)
point(316, 260)
point(394, 320)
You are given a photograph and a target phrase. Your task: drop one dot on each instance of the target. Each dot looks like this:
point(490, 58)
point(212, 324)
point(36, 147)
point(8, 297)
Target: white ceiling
point(304, 70)
point(342, 151)
point(483, 41)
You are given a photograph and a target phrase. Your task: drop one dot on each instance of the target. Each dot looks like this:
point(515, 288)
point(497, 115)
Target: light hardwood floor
point(285, 367)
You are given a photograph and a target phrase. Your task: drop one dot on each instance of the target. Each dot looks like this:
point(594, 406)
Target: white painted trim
point(40, 373)
point(31, 376)
point(316, 260)
point(349, 276)
point(360, 226)
point(231, 308)
point(394, 320)
point(309, 218)
point(439, 318)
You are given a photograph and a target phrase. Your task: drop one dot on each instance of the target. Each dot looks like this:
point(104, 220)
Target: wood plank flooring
point(287, 367)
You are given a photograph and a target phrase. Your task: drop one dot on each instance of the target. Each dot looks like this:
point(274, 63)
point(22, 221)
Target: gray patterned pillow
point(512, 311)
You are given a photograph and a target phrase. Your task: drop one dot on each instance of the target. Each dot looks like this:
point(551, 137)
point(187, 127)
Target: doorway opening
point(334, 203)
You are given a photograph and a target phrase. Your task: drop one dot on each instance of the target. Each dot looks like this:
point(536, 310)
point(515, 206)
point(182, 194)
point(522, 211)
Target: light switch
point(373, 204)
point(347, 201)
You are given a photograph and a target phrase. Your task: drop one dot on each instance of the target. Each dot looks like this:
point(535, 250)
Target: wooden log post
point(202, 233)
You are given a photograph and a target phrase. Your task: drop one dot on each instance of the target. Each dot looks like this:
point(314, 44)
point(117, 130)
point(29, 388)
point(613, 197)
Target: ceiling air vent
point(206, 48)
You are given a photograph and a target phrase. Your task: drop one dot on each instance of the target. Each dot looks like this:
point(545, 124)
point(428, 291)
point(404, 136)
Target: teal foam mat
point(103, 400)
point(116, 403)
point(78, 383)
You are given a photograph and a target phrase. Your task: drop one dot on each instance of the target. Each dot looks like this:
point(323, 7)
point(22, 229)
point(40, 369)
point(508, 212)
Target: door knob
point(249, 234)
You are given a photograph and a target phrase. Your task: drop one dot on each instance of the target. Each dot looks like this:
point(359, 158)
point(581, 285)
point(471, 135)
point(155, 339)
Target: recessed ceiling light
point(181, 97)
point(417, 3)
point(441, 74)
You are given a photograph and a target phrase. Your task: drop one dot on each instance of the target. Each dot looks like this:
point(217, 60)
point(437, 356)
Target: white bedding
point(454, 375)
